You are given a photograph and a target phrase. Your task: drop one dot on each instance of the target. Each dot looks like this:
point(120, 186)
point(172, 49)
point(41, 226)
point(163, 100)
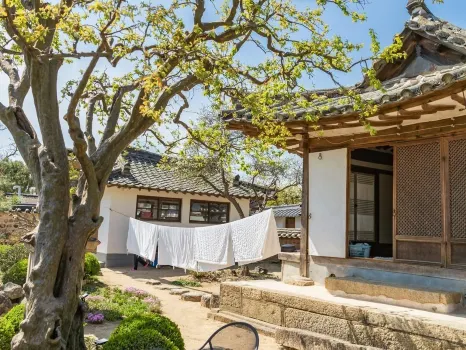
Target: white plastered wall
point(281, 222)
point(113, 231)
point(327, 203)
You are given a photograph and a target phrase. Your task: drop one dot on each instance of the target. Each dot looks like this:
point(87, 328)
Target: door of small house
point(430, 202)
point(418, 204)
point(456, 201)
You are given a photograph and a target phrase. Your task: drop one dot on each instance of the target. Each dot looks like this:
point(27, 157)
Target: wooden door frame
point(449, 240)
point(445, 240)
point(399, 238)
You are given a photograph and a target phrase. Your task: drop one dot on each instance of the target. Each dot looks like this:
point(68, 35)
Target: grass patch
point(116, 304)
point(186, 283)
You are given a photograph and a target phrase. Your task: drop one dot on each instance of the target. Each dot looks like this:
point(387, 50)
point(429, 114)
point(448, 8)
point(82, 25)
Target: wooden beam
point(373, 123)
point(396, 134)
point(304, 245)
point(458, 98)
point(384, 117)
point(437, 108)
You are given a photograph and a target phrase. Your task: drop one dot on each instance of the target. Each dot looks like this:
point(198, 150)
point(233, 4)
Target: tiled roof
point(332, 103)
point(288, 211)
point(426, 24)
point(289, 233)
point(138, 169)
point(394, 90)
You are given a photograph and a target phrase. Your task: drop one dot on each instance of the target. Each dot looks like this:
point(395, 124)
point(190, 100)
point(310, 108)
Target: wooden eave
point(442, 111)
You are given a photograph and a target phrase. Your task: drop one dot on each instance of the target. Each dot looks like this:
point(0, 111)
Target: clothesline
point(206, 248)
point(118, 212)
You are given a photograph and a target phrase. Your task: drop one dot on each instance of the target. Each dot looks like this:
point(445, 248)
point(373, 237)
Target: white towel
point(176, 247)
point(212, 244)
point(255, 238)
point(226, 260)
point(142, 239)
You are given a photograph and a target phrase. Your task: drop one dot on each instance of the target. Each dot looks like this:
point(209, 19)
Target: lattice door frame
point(451, 195)
point(436, 242)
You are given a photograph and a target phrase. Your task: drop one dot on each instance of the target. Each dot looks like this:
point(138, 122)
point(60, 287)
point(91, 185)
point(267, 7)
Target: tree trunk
point(236, 205)
point(53, 318)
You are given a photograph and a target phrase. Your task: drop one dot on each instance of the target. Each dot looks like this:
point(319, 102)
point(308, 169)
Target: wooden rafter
point(399, 133)
point(458, 98)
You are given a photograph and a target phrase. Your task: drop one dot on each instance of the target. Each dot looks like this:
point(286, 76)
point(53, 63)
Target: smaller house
point(139, 188)
point(288, 219)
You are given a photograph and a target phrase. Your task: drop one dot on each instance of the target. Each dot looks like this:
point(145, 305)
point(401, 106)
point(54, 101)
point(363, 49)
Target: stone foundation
point(337, 324)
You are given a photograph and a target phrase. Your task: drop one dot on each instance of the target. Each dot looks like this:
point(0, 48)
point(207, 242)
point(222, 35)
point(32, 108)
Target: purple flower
point(150, 300)
point(135, 291)
point(95, 318)
point(95, 298)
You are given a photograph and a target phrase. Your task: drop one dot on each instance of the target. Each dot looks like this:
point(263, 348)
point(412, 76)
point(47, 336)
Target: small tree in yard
point(163, 55)
point(210, 153)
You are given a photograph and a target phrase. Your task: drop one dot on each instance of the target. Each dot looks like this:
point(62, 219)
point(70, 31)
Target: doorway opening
point(370, 221)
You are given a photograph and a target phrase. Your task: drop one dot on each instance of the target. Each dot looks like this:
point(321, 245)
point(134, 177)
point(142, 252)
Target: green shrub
point(17, 273)
point(91, 265)
point(9, 325)
point(11, 254)
point(143, 339)
point(146, 332)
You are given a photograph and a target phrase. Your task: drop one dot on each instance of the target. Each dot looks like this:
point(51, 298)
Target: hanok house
point(401, 193)
point(138, 188)
point(288, 219)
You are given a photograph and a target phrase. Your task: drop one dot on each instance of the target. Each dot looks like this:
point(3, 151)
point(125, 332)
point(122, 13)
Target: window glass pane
point(169, 210)
point(218, 217)
point(144, 214)
point(199, 212)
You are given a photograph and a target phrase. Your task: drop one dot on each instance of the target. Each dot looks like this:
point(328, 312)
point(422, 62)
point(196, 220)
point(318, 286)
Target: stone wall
point(13, 225)
point(355, 325)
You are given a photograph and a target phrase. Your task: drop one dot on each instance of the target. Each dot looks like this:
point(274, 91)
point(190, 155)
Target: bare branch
point(89, 120)
point(115, 109)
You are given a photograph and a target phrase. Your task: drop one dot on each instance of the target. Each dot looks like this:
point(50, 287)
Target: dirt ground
point(191, 317)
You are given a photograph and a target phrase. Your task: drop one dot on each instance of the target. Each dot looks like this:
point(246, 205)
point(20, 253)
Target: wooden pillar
point(304, 244)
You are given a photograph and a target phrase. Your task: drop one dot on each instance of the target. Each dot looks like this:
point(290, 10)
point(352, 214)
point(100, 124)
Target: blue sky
point(386, 17)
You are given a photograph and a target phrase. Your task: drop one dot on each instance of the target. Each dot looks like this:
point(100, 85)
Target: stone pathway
point(191, 317)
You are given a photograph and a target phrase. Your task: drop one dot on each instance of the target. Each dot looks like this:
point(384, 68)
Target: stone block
point(214, 301)
point(13, 291)
point(192, 296)
point(364, 334)
point(314, 305)
point(304, 340)
point(205, 300)
point(351, 285)
point(5, 303)
point(230, 297)
point(153, 282)
point(299, 281)
point(267, 312)
point(251, 293)
point(178, 291)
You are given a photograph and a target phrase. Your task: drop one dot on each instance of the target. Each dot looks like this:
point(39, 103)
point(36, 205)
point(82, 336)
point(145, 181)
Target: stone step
point(291, 338)
point(263, 328)
point(407, 296)
point(314, 310)
point(304, 340)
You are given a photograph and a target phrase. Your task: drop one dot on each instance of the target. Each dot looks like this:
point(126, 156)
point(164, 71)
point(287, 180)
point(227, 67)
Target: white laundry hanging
point(212, 244)
point(176, 247)
point(255, 238)
point(142, 239)
point(213, 248)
